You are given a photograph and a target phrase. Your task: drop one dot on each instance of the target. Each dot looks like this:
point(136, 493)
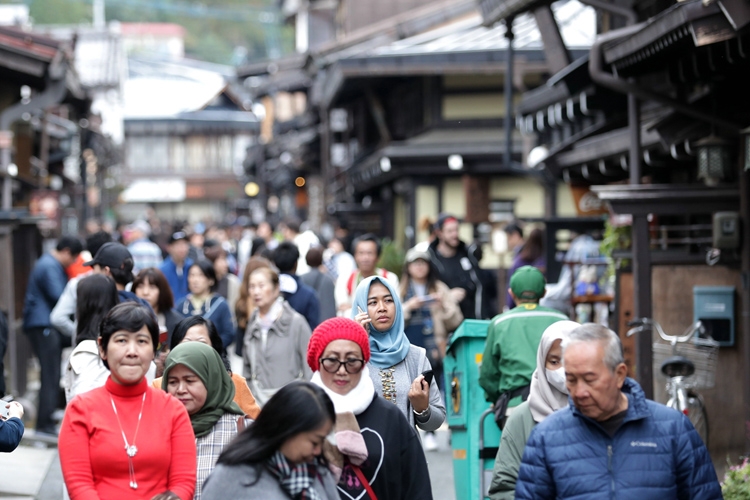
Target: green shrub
point(736, 484)
point(391, 257)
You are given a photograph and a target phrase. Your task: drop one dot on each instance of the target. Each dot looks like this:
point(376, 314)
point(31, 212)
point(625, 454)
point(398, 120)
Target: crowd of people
point(271, 365)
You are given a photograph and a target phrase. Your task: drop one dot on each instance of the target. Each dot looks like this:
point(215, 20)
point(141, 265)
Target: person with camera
point(11, 425)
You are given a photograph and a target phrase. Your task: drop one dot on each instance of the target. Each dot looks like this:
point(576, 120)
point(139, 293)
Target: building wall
point(673, 309)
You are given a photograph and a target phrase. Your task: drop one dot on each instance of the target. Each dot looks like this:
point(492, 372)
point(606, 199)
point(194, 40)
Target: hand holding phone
point(428, 375)
point(363, 319)
point(428, 300)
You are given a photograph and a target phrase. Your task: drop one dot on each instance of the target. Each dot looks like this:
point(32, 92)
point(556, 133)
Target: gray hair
point(593, 332)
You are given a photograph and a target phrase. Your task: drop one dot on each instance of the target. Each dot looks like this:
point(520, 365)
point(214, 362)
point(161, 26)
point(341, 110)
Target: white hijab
point(544, 399)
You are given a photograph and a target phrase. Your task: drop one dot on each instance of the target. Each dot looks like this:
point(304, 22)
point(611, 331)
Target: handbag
point(501, 405)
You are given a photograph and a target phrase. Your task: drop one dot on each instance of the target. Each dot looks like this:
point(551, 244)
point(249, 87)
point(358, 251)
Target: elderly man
point(612, 442)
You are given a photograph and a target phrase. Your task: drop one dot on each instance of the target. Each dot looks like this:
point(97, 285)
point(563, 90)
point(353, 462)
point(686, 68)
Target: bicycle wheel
point(696, 412)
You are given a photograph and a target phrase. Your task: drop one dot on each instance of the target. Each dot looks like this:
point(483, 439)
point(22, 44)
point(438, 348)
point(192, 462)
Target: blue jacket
point(46, 284)
point(11, 432)
point(304, 301)
point(217, 310)
point(656, 454)
point(128, 296)
point(178, 284)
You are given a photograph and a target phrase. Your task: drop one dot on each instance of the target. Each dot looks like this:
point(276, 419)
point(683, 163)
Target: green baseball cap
point(528, 283)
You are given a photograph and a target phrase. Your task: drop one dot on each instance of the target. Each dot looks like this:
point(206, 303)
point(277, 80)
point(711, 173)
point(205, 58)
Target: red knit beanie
point(336, 329)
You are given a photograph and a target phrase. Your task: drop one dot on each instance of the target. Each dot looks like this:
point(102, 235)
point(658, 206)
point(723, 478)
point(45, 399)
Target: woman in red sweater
point(127, 439)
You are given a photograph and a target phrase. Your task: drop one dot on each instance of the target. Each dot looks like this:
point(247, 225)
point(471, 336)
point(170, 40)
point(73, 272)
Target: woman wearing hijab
point(195, 374)
point(546, 395)
point(396, 366)
point(376, 454)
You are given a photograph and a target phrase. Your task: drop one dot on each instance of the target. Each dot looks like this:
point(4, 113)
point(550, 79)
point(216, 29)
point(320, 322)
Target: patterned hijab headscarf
point(390, 347)
point(205, 362)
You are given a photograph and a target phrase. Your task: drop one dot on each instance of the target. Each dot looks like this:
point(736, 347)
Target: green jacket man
point(513, 339)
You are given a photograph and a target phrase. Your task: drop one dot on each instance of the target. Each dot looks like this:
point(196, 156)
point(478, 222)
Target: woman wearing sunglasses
point(377, 452)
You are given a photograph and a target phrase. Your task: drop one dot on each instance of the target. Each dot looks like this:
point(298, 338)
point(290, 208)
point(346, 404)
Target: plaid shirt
point(210, 447)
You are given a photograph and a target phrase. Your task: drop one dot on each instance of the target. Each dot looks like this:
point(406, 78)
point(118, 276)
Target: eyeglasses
point(351, 365)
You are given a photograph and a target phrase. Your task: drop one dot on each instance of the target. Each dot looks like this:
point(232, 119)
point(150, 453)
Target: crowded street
point(357, 250)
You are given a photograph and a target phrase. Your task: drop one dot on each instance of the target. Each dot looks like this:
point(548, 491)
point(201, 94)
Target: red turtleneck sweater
point(92, 451)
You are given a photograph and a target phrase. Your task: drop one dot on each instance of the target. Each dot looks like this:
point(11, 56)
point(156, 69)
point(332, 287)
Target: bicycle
point(689, 363)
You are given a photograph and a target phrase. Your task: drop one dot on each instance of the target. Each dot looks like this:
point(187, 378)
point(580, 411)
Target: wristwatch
point(423, 413)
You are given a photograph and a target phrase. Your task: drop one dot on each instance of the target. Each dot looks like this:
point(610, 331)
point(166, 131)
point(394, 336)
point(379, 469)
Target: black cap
point(177, 236)
point(443, 218)
point(112, 255)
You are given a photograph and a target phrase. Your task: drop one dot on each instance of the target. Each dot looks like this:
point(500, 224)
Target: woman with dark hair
point(194, 373)
point(227, 284)
point(531, 254)
point(376, 452)
point(279, 456)
point(152, 286)
point(158, 460)
point(275, 339)
point(96, 295)
point(203, 301)
point(199, 329)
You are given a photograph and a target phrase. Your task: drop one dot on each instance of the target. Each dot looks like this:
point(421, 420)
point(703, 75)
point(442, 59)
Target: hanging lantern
point(714, 163)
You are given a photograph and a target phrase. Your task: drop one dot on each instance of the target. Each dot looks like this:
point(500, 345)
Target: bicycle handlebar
point(640, 324)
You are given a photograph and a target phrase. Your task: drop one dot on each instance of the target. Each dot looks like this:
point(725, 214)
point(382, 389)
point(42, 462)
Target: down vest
point(656, 454)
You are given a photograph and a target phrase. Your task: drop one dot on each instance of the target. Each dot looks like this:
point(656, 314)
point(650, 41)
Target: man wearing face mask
point(547, 395)
point(512, 342)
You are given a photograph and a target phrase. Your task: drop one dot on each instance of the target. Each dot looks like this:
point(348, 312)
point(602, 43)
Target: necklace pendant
point(131, 451)
point(134, 485)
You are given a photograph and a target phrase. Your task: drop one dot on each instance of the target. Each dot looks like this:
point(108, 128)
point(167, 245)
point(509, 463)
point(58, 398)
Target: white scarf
point(355, 401)
point(274, 312)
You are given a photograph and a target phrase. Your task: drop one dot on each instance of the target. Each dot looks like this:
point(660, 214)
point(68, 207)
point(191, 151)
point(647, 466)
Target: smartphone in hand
point(428, 374)
point(360, 311)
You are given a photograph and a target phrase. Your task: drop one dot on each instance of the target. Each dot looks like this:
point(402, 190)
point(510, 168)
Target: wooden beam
point(554, 47)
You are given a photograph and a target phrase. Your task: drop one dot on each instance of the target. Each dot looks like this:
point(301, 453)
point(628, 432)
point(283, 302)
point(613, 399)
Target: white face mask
point(556, 379)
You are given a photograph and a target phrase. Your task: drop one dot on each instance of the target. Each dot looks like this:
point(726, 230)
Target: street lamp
point(455, 162)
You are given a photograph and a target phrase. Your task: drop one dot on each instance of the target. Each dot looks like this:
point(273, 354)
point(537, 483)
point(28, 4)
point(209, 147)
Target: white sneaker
point(430, 442)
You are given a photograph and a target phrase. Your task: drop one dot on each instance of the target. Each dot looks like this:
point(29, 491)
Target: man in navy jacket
point(301, 297)
point(46, 283)
point(611, 442)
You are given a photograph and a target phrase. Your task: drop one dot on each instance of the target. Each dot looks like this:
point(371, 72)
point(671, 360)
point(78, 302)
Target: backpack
point(350, 281)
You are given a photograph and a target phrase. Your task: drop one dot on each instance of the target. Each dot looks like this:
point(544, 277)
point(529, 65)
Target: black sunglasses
point(351, 365)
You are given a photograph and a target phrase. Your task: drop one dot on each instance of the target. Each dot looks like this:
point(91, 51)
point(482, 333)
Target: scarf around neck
point(390, 347)
point(274, 312)
point(298, 480)
point(205, 362)
point(544, 399)
point(358, 399)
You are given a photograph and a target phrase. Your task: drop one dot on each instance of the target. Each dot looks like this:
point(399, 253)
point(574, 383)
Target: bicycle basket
point(703, 353)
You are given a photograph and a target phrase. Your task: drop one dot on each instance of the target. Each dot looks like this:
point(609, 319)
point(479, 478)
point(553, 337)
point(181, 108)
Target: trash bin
point(475, 436)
